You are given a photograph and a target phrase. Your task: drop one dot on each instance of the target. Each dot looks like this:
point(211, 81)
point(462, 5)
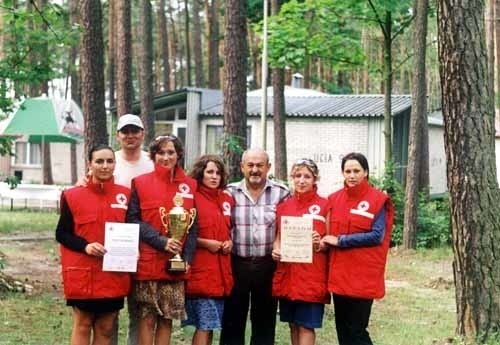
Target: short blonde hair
point(306, 163)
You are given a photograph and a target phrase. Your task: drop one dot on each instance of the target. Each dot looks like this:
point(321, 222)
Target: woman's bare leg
point(103, 328)
point(82, 326)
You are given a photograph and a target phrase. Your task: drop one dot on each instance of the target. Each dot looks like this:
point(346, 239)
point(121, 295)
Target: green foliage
point(255, 9)
point(35, 42)
point(314, 28)
point(6, 146)
point(331, 87)
point(433, 223)
point(12, 181)
point(233, 144)
point(433, 216)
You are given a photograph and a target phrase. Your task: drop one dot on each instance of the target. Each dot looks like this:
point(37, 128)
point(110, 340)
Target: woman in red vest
point(96, 296)
point(211, 277)
point(301, 287)
point(159, 292)
point(361, 222)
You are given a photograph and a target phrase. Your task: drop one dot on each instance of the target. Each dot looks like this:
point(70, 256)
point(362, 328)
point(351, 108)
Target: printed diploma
point(296, 239)
point(122, 247)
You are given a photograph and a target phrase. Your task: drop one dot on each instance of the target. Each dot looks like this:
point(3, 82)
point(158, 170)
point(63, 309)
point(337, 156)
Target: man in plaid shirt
point(253, 232)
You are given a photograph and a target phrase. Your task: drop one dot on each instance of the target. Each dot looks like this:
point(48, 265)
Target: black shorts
point(97, 305)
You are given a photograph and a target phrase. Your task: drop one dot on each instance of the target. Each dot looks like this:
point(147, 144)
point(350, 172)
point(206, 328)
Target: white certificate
point(296, 239)
point(122, 247)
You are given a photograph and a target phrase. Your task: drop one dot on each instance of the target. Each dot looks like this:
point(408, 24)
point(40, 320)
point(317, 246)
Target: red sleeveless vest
point(211, 274)
point(155, 190)
point(301, 281)
point(91, 207)
point(358, 271)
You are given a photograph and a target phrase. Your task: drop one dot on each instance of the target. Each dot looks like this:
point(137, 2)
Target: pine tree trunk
point(387, 67)
point(37, 58)
point(468, 112)
point(92, 73)
point(111, 52)
point(124, 91)
point(74, 73)
point(146, 69)
point(418, 115)
point(235, 71)
point(174, 79)
point(497, 48)
point(307, 73)
point(188, 43)
point(75, 84)
point(47, 164)
point(163, 45)
point(366, 47)
point(2, 33)
point(490, 38)
point(255, 58)
point(197, 47)
point(32, 89)
point(279, 114)
point(212, 13)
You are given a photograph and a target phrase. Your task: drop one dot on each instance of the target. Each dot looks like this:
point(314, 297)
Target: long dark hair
point(200, 165)
point(357, 157)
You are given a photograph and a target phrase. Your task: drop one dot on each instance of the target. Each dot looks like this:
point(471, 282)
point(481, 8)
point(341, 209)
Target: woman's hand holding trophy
point(177, 223)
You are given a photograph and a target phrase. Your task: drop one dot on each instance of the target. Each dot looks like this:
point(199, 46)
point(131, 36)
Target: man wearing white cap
point(131, 160)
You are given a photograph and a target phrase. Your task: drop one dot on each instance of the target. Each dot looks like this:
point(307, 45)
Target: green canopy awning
point(39, 119)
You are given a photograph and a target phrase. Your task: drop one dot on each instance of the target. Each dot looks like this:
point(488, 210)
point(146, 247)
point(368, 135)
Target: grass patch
point(34, 320)
point(415, 311)
point(27, 221)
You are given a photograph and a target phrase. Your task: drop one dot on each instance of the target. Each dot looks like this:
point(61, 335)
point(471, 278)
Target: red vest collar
point(358, 190)
point(101, 187)
point(209, 193)
point(307, 196)
point(165, 173)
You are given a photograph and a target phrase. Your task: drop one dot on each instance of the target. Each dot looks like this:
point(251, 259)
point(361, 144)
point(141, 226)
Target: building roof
point(303, 103)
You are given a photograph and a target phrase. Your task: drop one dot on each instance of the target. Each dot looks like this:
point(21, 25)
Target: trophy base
point(176, 266)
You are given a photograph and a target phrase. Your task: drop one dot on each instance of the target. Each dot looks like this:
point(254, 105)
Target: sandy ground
point(33, 261)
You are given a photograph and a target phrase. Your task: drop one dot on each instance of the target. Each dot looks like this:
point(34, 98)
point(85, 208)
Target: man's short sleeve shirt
point(254, 223)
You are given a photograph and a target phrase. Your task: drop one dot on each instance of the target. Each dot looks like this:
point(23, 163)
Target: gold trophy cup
point(177, 223)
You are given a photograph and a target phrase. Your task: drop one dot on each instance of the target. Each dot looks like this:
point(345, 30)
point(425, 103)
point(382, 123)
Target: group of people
point(232, 251)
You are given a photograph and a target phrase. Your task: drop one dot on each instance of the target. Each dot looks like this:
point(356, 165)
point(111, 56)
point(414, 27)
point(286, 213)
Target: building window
point(182, 113)
point(166, 114)
point(215, 136)
point(27, 154)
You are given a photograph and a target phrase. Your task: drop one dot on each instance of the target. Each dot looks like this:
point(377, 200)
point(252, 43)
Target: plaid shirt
point(254, 223)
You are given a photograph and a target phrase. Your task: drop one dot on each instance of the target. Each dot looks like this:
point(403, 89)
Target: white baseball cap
point(129, 120)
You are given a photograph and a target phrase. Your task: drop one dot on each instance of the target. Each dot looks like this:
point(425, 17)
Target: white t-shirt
point(125, 171)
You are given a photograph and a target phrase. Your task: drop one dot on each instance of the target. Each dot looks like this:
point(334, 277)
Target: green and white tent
point(46, 120)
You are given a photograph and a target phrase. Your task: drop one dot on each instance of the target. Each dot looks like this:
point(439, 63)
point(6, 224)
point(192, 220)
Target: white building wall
point(61, 165)
point(327, 140)
point(323, 140)
point(376, 146)
point(437, 160)
point(192, 128)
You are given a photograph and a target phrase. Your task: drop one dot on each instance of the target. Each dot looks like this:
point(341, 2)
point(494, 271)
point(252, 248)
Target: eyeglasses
point(167, 137)
point(306, 161)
